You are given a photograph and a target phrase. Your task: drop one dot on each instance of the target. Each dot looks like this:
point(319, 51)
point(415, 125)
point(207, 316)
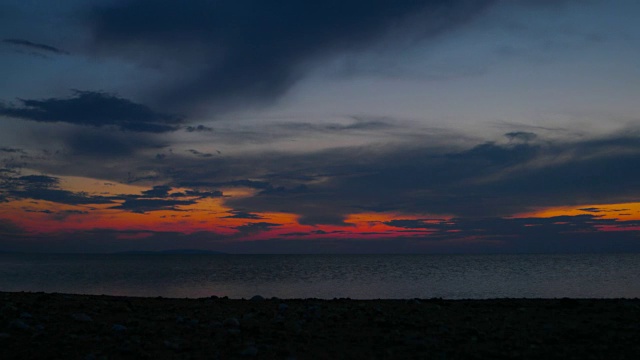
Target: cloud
point(160, 197)
point(199, 154)
point(251, 228)
point(138, 205)
point(358, 123)
point(60, 196)
point(35, 46)
point(521, 136)
point(96, 109)
point(489, 179)
point(198, 128)
point(38, 181)
point(253, 184)
point(231, 53)
point(12, 150)
point(238, 214)
point(44, 187)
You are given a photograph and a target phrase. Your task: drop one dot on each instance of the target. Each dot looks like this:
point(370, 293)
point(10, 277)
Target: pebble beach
point(42, 325)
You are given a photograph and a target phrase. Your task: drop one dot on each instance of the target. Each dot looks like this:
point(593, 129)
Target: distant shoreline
point(36, 325)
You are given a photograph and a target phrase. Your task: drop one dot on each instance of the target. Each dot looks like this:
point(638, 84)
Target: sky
point(352, 126)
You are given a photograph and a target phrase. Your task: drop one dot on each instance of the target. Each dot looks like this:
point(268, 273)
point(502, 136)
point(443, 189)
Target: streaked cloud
point(35, 46)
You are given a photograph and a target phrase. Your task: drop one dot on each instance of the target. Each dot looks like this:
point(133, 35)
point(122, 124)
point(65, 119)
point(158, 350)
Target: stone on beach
point(81, 317)
point(26, 315)
point(367, 329)
point(118, 328)
point(231, 323)
point(19, 324)
point(250, 350)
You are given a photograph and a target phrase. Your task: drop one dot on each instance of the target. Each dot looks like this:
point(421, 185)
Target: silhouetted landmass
point(39, 325)
point(174, 251)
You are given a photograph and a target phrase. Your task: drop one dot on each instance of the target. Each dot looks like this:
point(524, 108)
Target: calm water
point(327, 276)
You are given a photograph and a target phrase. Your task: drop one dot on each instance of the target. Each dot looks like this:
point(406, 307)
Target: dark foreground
point(38, 325)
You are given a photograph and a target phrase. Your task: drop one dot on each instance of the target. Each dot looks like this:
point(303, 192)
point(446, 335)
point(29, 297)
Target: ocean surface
point(327, 276)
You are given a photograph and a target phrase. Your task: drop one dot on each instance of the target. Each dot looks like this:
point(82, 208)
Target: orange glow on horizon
point(211, 214)
point(619, 211)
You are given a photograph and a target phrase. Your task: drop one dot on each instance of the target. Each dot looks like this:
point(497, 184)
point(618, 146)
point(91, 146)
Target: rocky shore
point(39, 325)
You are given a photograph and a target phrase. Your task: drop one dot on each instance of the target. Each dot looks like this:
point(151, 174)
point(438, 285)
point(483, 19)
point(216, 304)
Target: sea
point(326, 276)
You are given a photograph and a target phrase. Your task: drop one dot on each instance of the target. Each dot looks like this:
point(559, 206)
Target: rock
point(283, 307)
point(19, 324)
point(312, 312)
point(118, 328)
point(26, 315)
point(215, 325)
point(9, 308)
point(231, 323)
point(173, 345)
point(257, 298)
point(81, 317)
point(249, 351)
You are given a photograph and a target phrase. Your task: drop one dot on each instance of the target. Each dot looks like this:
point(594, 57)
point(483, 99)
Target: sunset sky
point(351, 126)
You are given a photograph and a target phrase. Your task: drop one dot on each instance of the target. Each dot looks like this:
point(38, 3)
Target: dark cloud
point(160, 197)
point(12, 150)
point(198, 128)
point(199, 154)
point(38, 181)
point(490, 179)
point(591, 209)
point(253, 184)
point(232, 52)
point(96, 109)
point(157, 191)
point(35, 46)
point(146, 205)
point(521, 136)
point(238, 214)
point(202, 194)
point(60, 196)
point(43, 187)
